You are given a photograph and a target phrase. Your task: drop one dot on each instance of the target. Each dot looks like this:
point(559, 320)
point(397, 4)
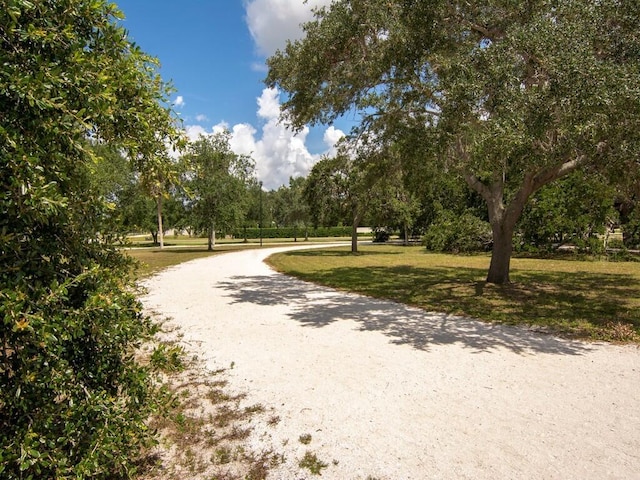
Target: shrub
point(73, 400)
point(380, 235)
point(458, 233)
point(291, 232)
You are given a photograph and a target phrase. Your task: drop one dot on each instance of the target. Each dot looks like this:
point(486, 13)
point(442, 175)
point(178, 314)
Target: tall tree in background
point(217, 181)
point(510, 95)
point(73, 402)
point(339, 188)
point(290, 206)
point(157, 181)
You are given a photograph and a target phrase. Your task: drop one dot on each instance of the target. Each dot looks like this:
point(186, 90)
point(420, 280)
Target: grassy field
point(594, 300)
point(152, 260)
point(182, 249)
point(185, 241)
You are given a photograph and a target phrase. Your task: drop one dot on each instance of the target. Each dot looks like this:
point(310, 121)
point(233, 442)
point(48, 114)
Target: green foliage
point(510, 96)
point(572, 210)
point(216, 181)
point(290, 209)
point(291, 232)
point(311, 462)
point(631, 229)
point(381, 235)
point(73, 402)
point(326, 191)
point(458, 233)
point(167, 358)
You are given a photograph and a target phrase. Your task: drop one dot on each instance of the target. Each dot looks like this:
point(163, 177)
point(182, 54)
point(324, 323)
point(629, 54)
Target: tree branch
point(555, 172)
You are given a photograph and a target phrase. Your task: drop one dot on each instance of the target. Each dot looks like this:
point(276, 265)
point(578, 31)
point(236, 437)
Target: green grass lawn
point(182, 249)
point(184, 241)
point(595, 300)
point(152, 260)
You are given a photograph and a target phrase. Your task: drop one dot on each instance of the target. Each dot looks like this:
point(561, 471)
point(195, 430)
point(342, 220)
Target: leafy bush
point(380, 235)
point(458, 233)
point(591, 245)
point(631, 231)
point(73, 400)
point(292, 232)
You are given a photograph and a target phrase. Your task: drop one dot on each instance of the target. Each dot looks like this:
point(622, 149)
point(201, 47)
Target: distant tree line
point(216, 192)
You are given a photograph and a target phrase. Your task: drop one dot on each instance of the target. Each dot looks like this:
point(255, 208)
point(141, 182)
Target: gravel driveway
point(392, 392)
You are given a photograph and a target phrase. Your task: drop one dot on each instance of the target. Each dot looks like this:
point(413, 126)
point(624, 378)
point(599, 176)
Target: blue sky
point(214, 53)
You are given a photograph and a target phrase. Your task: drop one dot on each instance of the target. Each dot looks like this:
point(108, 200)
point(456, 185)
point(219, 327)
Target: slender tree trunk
point(406, 234)
point(154, 236)
point(211, 237)
point(354, 230)
point(159, 213)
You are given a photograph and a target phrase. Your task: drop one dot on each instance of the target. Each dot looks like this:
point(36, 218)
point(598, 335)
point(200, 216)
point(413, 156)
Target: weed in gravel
point(311, 462)
point(257, 408)
point(217, 395)
point(305, 438)
point(273, 420)
point(225, 415)
point(222, 456)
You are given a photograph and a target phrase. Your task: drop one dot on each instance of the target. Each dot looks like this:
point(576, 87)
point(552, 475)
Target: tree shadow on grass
point(337, 253)
point(317, 307)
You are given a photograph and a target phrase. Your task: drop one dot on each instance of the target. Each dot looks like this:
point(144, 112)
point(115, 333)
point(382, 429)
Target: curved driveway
point(388, 391)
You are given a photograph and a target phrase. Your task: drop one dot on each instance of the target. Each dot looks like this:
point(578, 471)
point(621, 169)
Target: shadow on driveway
point(316, 306)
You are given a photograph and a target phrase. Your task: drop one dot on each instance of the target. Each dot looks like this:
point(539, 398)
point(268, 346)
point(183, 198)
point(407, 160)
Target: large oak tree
point(510, 95)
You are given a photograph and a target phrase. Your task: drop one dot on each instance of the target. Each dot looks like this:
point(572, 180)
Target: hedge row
point(291, 232)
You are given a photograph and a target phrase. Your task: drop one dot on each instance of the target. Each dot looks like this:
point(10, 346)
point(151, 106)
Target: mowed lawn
point(594, 300)
point(152, 260)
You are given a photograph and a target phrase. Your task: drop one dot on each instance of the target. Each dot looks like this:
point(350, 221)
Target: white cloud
point(331, 137)
point(273, 22)
point(269, 104)
point(279, 153)
point(194, 132)
point(179, 101)
point(201, 118)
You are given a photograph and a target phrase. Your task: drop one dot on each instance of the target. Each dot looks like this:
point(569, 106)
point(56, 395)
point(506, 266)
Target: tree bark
point(354, 230)
point(159, 214)
point(501, 254)
point(211, 237)
point(503, 220)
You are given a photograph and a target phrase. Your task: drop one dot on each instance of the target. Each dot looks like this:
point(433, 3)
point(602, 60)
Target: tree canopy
point(509, 95)
point(217, 181)
point(73, 403)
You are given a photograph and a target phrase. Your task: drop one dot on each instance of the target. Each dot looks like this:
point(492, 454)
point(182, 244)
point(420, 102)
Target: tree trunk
point(503, 221)
point(503, 218)
point(501, 254)
point(211, 237)
point(160, 228)
point(154, 236)
point(354, 230)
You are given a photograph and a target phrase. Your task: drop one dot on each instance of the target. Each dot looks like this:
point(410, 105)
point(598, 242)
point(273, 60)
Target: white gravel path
point(392, 392)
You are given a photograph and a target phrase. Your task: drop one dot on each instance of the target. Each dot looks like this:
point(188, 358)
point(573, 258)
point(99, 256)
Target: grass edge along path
point(153, 259)
point(574, 298)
